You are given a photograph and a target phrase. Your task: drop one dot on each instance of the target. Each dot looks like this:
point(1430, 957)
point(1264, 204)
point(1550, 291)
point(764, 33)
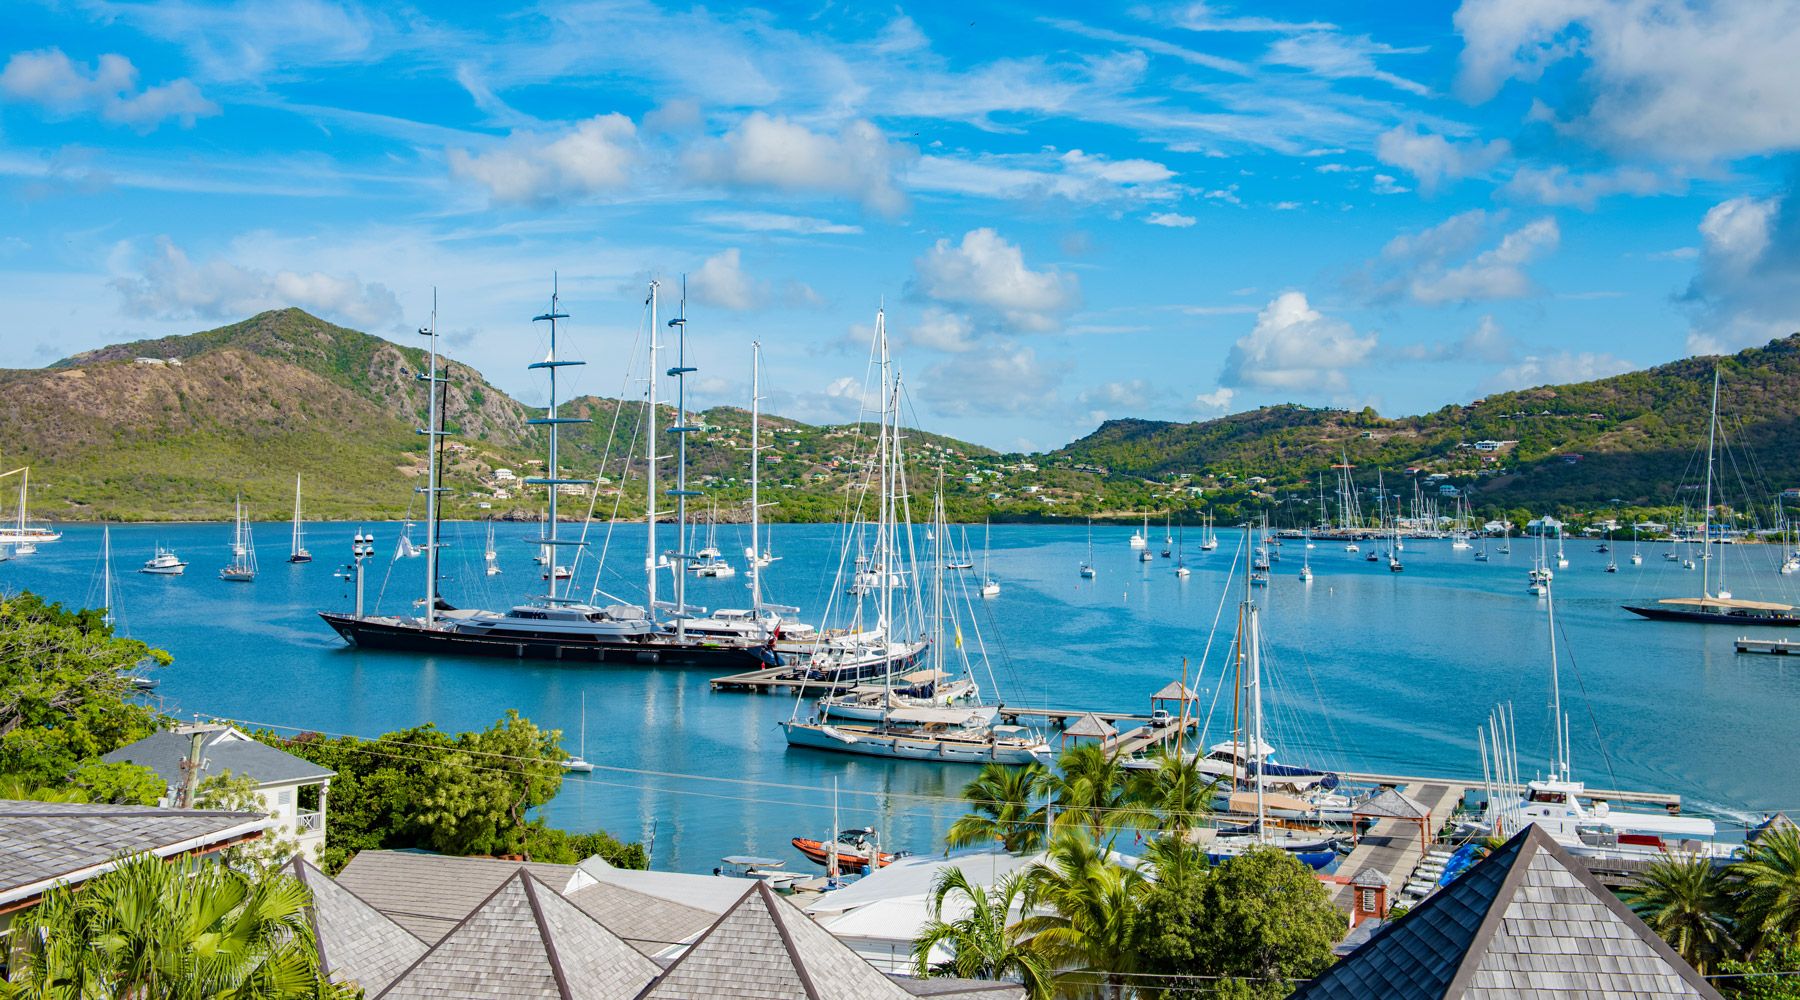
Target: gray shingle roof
point(1392, 803)
point(429, 893)
point(525, 940)
point(764, 948)
point(1528, 921)
point(225, 749)
point(1091, 725)
point(649, 924)
point(42, 843)
point(356, 943)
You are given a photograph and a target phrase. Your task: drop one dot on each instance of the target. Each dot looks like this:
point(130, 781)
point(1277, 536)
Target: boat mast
point(650, 464)
point(547, 539)
point(106, 601)
point(432, 432)
point(680, 556)
point(295, 547)
point(1253, 636)
point(883, 517)
point(755, 481)
point(1712, 423)
point(1559, 763)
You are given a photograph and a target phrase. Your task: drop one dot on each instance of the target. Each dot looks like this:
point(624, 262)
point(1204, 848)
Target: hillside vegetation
point(174, 428)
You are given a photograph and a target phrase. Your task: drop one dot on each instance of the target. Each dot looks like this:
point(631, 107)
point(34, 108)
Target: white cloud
point(1077, 176)
point(1488, 343)
point(1215, 402)
point(1424, 266)
point(1561, 367)
point(772, 153)
point(1201, 16)
point(63, 87)
point(1747, 289)
point(1173, 220)
point(1285, 206)
point(259, 39)
point(721, 282)
point(1556, 185)
point(997, 378)
point(775, 222)
point(595, 156)
point(1385, 184)
point(1434, 159)
point(986, 272)
point(1295, 347)
point(1690, 82)
point(1338, 57)
point(942, 330)
point(166, 284)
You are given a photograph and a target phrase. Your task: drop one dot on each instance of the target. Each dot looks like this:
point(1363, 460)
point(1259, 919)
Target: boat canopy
point(1726, 602)
point(752, 861)
point(972, 717)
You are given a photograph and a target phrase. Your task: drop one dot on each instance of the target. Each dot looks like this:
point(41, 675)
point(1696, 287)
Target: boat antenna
point(547, 539)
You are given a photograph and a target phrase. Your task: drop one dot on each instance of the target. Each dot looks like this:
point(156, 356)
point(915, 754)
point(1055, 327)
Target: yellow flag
point(959, 637)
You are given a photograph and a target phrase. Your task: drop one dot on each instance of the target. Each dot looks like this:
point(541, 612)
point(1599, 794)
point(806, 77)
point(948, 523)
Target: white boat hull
point(921, 748)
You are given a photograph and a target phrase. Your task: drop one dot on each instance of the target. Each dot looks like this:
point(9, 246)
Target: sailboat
point(1181, 570)
point(1540, 576)
point(579, 762)
point(1306, 574)
point(709, 563)
point(1612, 565)
point(22, 535)
point(298, 553)
point(990, 587)
point(1087, 568)
point(1168, 536)
point(242, 568)
point(1144, 554)
point(960, 560)
point(1314, 851)
point(556, 624)
point(1506, 539)
point(1709, 606)
point(489, 558)
point(1562, 561)
point(1637, 557)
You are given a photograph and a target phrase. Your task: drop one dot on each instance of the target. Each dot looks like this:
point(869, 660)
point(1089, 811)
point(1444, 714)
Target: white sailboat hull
point(945, 750)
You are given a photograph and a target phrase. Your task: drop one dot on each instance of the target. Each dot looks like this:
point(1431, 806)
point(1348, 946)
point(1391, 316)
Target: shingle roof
point(224, 749)
point(764, 948)
point(946, 988)
point(428, 893)
point(649, 924)
point(1528, 921)
point(1091, 725)
point(356, 943)
point(1175, 691)
point(42, 843)
point(1392, 803)
point(525, 940)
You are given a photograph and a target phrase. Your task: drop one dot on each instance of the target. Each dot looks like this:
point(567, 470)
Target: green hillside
point(174, 428)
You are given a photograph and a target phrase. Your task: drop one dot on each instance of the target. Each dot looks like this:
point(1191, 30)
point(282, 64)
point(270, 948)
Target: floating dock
point(1773, 647)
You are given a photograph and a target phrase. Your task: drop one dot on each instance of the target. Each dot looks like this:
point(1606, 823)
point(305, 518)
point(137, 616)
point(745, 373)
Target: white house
point(293, 789)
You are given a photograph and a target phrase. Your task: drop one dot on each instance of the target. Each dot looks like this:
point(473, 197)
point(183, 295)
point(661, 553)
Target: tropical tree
point(983, 943)
point(151, 928)
point(1175, 796)
point(1081, 911)
point(1005, 808)
point(1767, 882)
point(241, 793)
point(1089, 786)
point(1685, 899)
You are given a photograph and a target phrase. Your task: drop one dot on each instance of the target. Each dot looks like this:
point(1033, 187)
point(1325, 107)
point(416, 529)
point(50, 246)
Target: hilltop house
point(293, 790)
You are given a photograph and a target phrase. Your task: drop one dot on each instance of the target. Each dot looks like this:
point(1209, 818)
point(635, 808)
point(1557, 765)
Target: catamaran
point(24, 536)
point(556, 624)
point(1718, 607)
point(298, 553)
point(242, 568)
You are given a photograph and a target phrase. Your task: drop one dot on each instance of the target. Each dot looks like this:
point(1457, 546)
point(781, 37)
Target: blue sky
point(1071, 212)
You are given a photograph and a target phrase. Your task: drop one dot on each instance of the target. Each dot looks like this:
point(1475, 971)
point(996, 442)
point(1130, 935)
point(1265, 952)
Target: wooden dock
point(1667, 800)
point(1392, 846)
point(779, 680)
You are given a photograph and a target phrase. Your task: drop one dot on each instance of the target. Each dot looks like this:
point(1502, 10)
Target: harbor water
point(1367, 670)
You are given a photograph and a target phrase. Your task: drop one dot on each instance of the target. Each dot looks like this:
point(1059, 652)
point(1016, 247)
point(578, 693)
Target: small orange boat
point(854, 849)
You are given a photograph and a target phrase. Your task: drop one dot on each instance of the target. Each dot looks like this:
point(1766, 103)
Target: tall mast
point(106, 600)
point(1253, 636)
point(1712, 423)
point(432, 432)
point(296, 543)
point(681, 493)
point(883, 516)
point(755, 479)
point(547, 539)
point(1559, 766)
point(650, 567)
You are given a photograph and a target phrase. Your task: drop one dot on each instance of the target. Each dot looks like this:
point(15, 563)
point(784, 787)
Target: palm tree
point(1685, 900)
point(1002, 798)
point(1768, 884)
point(1175, 795)
point(151, 928)
point(1090, 793)
point(1080, 910)
point(984, 943)
point(1174, 859)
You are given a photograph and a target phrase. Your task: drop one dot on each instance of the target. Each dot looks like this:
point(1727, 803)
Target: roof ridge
point(692, 948)
point(537, 915)
point(459, 925)
point(1528, 841)
point(767, 898)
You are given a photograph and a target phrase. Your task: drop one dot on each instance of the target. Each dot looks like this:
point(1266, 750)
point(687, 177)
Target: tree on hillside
point(153, 928)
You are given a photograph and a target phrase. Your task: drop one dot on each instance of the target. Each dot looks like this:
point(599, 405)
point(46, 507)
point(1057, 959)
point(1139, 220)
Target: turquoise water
point(1367, 670)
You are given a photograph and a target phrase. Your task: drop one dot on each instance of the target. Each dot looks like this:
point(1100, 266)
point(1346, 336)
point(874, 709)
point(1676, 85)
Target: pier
point(1396, 846)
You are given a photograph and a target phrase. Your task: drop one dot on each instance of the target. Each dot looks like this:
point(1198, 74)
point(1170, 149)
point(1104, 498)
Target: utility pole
point(190, 772)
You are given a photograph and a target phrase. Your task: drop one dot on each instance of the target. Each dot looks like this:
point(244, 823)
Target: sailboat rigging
point(297, 552)
point(242, 568)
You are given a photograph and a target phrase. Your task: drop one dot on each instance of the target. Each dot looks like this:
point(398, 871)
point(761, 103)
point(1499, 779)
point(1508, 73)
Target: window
point(287, 797)
point(1368, 900)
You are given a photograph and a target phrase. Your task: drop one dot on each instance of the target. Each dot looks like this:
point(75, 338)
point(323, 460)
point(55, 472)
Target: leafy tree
point(1004, 808)
point(120, 783)
point(984, 943)
point(1769, 976)
point(1768, 887)
point(1260, 918)
point(179, 929)
point(64, 698)
point(240, 793)
point(1684, 899)
point(1082, 914)
point(1175, 795)
point(1090, 793)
